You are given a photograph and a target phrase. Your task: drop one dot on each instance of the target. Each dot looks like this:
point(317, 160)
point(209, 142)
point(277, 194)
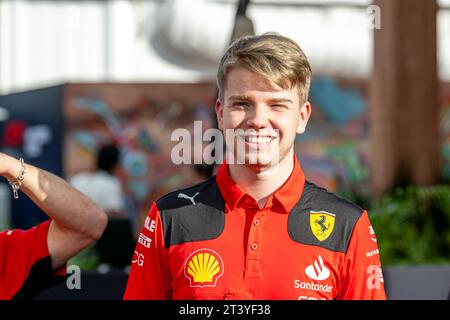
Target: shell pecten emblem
point(203, 267)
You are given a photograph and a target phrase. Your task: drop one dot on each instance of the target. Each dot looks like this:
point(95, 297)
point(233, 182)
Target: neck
point(261, 182)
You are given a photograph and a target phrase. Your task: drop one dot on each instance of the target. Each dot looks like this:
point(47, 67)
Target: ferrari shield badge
point(322, 224)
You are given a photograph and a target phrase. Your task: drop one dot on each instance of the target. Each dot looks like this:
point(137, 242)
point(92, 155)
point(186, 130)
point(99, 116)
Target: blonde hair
point(277, 58)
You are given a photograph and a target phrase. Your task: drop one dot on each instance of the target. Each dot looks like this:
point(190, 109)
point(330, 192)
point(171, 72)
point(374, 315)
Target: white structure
point(48, 42)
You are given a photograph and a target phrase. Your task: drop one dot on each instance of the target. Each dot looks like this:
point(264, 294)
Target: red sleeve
point(362, 273)
point(149, 274)
point(25, 263)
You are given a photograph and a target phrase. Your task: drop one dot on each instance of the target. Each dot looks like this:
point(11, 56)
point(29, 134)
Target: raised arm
point(76, 220)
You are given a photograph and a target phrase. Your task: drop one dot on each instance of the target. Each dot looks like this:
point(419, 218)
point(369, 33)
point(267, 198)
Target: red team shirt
point(25, 263)
point(211, 241)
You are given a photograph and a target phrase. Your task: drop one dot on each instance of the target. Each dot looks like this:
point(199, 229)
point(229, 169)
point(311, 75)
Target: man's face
point(264, 117)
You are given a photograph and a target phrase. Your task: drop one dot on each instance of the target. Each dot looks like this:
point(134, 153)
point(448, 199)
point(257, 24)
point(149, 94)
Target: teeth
point(259, 140)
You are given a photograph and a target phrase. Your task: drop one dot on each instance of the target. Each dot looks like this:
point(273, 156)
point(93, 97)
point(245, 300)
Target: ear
point(305, 112)
point(219, 113)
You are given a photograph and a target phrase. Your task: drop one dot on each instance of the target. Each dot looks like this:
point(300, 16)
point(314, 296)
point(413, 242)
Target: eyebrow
point(281, 100)
point(239, 97)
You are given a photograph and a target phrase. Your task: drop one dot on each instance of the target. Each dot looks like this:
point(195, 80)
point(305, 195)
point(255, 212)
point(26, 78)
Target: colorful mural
point(334, 150)
point(140, 120)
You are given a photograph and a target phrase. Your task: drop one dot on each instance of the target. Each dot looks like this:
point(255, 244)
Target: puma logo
point(185, 196)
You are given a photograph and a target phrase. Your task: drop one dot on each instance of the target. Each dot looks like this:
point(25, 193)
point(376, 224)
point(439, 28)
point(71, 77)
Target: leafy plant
point(413, 225)
point(87, 259)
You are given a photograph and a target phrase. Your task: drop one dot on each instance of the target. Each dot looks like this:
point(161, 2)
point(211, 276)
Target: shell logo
point(203, 267)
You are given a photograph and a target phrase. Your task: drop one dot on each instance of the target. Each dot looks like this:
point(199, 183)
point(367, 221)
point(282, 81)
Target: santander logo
point(318, 271)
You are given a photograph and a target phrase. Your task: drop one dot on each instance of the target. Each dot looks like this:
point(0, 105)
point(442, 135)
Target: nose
point(258, 117)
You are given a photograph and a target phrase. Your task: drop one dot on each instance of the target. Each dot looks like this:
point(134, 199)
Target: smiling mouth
point(258, 142)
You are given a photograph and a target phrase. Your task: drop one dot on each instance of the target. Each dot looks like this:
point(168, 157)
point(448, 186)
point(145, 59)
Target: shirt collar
point(287, 195)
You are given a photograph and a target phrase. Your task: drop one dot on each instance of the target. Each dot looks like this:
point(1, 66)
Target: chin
point(261, 161)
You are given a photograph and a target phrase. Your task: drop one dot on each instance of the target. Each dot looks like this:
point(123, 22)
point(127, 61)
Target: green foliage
point(87, 259)
point(413, 225)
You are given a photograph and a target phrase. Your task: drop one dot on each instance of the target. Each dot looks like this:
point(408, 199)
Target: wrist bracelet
point(17, 184)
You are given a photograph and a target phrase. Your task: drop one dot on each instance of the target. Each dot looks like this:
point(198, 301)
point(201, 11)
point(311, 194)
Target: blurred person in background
point(35, 259)
point(102, 186)
point(258, 229)
point(115, 247)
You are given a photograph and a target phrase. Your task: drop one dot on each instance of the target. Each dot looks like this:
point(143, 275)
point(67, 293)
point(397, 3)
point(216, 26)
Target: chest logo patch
point(203, 267)
point(322, 224)
point(318, 271)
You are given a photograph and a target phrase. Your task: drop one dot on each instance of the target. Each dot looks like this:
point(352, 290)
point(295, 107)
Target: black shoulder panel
point(316, 200)
point(193, 214)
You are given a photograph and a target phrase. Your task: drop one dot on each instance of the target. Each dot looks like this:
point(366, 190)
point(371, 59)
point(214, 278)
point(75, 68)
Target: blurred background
point(92, 90)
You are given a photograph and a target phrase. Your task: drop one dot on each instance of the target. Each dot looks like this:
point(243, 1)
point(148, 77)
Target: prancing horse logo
point(185, 196)
point(322, 224)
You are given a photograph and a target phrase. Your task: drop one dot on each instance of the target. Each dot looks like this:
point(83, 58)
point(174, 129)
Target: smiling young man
point(258, 229)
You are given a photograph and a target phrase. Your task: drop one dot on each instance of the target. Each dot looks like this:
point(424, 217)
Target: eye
point(279, 107)
point(241, 105)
